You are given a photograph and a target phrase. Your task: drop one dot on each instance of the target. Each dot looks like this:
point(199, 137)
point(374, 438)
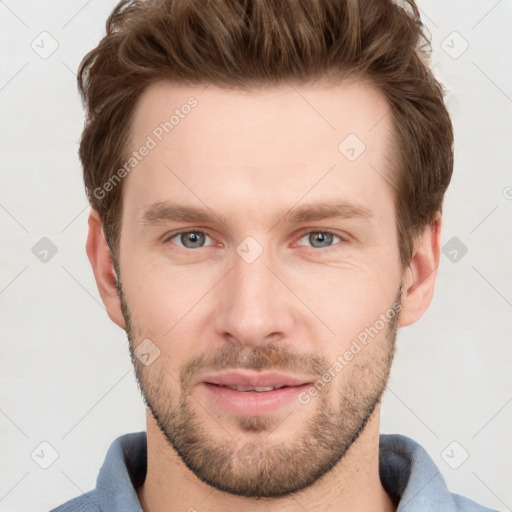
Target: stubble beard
point(258, 467)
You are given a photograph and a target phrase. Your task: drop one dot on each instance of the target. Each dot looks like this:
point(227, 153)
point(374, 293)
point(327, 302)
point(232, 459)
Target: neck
point(352, 485)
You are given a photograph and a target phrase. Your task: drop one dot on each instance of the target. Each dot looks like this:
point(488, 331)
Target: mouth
point(252, 393)
point(257, 389)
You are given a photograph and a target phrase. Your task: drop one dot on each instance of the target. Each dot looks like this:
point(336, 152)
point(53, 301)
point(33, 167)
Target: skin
point(251, 157)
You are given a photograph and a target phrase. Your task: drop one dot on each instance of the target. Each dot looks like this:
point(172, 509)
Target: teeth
point(258, 389)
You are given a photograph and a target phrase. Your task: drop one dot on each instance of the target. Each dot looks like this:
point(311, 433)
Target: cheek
point(348, 299)
point(165, 302)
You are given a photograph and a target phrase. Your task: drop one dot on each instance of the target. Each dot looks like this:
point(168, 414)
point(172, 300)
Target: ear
point(103, 268)
point(420, 276)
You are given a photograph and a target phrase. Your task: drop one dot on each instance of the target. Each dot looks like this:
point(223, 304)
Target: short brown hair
point(247, 44)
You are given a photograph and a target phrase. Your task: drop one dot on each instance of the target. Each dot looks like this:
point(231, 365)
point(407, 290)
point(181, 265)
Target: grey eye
point(319, 239)
point(191, 239)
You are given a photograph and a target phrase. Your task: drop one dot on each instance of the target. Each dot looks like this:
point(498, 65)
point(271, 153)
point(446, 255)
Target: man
point(266, 182)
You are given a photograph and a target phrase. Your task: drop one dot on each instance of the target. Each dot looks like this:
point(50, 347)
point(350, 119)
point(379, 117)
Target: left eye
point(320, 239)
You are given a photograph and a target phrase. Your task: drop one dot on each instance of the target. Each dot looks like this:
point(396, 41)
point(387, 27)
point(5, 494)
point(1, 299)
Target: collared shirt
point(407, 472)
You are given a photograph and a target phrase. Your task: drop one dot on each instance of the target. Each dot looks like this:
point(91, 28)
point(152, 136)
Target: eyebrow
point(165, 211)
point(330, 210)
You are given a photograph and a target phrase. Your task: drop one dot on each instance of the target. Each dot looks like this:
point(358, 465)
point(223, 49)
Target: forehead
point(261, 147)
point(323, 110)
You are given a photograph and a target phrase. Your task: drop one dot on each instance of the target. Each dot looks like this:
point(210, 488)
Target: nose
point(254, 306)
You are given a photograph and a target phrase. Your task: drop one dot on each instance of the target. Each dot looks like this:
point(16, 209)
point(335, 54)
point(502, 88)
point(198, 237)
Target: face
point(260, 277)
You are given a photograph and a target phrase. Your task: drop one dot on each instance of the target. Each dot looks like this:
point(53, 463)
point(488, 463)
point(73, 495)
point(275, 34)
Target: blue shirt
point(407, 472)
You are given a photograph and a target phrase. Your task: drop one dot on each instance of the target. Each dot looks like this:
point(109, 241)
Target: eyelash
point(343, 240)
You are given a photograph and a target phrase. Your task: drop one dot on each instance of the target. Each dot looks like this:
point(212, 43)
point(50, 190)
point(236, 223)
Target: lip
point(256, 379)
point(252, 403)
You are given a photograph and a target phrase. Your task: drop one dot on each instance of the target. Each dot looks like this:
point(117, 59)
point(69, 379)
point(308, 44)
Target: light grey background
point(66, 377)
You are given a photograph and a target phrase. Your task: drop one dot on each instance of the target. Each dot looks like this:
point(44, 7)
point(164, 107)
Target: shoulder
point(85, 503)
point(463, 504)
point(123, 470)
point(412, 479)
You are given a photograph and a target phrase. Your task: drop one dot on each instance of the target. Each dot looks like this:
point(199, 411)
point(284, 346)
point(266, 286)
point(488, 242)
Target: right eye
point(189, 239)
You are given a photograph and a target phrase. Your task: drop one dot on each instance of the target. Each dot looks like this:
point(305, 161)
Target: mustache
point(265, 357)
